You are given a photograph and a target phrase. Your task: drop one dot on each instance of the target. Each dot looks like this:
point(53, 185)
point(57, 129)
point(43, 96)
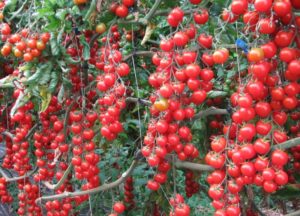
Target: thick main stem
point(296, 213)
point(61, 181)
point(151, 13)
point(17, 178)
point(192, 166)
point(103, 187)
point(288, 144)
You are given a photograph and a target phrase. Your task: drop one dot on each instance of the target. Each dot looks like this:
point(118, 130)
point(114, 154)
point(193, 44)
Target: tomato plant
point(139, 107)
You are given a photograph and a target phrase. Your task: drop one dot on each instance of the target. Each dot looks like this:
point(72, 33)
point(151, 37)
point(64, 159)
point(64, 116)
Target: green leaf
point(67, 83)
point(37, 75)
point(60, 35)
point(171, 3)
point(220, 72)
point(106, 17)
point(45, 12)
point(46, 76)
point(230, 74)
point(75, 10)
point(287, 192)
point(61, 94)
point(70, 60)
point(90, 10)
point(10, 5)
point(53, 81)
point(53, 25)
point(61, 14)
point(86, 48)
point(7, 82)
point(54, 45)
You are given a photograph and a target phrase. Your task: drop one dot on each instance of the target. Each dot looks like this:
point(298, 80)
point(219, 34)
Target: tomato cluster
point(262, 105)
point(47, 140)
point(129, 195)
point(4, 194)
point(191, 186)
point(180, 208)
point(84, 158)
point(122, 10)
point(23, 122)
point(111, 85)
point(118, 208)
point(24, 45)
point(27, 196)
point(56, 207)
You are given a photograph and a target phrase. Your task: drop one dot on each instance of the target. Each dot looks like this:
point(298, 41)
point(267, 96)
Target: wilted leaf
point(45, 97)
point(149, 30)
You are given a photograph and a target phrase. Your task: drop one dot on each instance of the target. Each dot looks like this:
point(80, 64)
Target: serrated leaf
point(90, 10)
point(35, 77)
point(45, 12)
point(86, 48)
point(106, 17)
point(220, 72)
point(61, 94)
point(54, 45)
point(10, 5)
point(139, 169)
point(53, 25)
point(46, 77)
point(230, 74)
point(53, 81)
point(140, 182)
point(7, 82)
point(70, 60)
point(75, 10)
point(67, 83)
point(61, 14)
point(60, 35)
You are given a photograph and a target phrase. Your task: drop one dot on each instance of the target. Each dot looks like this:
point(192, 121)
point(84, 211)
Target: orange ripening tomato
point(220, 56)
point(161, 105)
point(79, 2)
point(255, 55)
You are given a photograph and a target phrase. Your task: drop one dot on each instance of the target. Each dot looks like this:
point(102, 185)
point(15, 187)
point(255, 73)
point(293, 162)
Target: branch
point(103, 187)
point(61, 181)
point(93, 39)
point(67, 118)
point(138, 53)
point(296, 213)
point(193, 166)
point(252, 204)
point(288, 144)
point(210, 111)
point(138, 100)
point(9, 134)
point(30, 133)
point(17, 178)
point(151, 13)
